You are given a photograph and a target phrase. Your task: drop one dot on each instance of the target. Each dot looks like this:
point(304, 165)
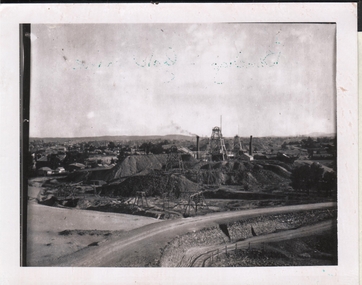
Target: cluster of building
point(51, 158)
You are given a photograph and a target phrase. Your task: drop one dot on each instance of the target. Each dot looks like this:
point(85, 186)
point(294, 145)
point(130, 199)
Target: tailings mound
point(132, 165)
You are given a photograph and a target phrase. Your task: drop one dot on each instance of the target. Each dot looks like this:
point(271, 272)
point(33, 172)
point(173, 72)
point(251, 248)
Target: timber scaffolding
point(179, 183)
point(174, 158)
point(173, 188)
point(194, 200)
point(167, 184)
point(218, 151)
point(204, 177)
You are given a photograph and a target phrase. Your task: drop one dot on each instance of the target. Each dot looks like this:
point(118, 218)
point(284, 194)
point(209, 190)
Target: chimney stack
point(251, 145)
point(197, 147)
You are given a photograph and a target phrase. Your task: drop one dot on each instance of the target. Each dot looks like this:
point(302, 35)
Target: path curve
point(132, 248)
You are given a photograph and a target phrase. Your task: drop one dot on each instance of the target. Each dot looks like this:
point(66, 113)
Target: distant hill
point(156, 137)
point(322, 135)
point(114, 138)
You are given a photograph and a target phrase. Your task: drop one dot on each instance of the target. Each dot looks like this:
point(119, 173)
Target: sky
point(158, 79)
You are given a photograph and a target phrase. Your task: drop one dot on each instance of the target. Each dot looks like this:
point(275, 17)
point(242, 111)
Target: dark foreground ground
point(308, 251)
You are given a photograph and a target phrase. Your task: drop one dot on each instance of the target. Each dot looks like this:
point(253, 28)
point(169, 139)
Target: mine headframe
point(217, 145)
point(237, 146)
point(174, 160)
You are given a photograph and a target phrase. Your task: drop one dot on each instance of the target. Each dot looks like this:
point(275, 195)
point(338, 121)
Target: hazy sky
point(148, 79)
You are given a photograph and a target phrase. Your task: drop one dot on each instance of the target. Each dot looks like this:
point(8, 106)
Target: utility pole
point(220, 123)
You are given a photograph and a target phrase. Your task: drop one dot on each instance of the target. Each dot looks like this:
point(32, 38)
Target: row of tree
point(313, 177)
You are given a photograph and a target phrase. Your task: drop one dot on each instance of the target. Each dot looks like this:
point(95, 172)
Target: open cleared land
point(54, 232)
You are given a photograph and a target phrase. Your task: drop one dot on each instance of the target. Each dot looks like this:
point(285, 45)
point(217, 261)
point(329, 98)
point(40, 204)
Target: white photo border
point(345, 17)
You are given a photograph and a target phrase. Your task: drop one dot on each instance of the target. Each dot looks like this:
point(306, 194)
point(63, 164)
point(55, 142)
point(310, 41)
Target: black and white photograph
point(184, 143)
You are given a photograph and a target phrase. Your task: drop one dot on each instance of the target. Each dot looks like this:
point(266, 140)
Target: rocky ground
point(307, 251)
point(270, 254)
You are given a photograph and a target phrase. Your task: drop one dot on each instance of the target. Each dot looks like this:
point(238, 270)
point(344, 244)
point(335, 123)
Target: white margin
point(344, 14)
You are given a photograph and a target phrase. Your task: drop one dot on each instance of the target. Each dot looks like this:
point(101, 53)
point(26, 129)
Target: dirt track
point(45, 223)
point(140, 246)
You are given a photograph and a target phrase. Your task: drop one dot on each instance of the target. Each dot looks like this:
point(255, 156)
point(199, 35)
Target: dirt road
point(140, 246)
point(201, 256)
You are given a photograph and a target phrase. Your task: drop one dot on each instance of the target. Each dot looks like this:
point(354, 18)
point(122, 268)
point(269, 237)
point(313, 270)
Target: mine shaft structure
point(217, 145)
point(174, 165)
point(174, 159)
point(168, 189)
point(237, 146)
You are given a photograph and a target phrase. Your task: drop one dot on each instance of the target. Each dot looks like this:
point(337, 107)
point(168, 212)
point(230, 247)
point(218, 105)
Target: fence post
point(226, 250)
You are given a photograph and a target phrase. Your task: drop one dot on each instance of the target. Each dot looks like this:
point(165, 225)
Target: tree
point(310, 142)
point(329, 182)
point(146, 147)
point(54, 161)
point(299, 177)
point(307, 177)
point(111, 145)
point(316, 174)
point(284, 145)
point(157, 149)
point(121, 156)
